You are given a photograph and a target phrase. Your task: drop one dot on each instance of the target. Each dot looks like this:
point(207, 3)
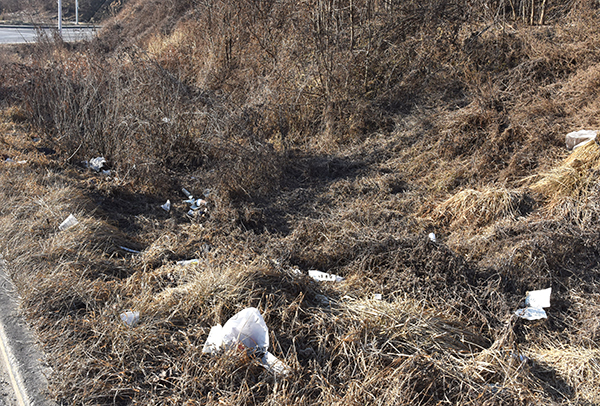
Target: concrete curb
point(18, 347)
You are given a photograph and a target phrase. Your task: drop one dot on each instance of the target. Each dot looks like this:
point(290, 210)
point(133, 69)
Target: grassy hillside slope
point(329, 135)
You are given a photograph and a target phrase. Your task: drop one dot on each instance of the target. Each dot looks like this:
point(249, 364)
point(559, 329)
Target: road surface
point(25, 34)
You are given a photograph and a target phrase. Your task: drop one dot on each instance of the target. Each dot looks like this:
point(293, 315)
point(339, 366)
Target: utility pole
point(60, 17)
point(77, 12)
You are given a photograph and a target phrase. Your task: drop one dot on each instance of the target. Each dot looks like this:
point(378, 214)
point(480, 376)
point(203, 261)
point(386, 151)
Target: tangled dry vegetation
point(332, 135)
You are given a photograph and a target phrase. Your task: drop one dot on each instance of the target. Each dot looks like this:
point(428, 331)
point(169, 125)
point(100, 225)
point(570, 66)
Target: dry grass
point(330, 138)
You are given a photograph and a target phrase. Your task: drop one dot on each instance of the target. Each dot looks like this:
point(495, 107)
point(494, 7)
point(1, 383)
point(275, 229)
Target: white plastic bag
point(130, 318)
point(578, 138)
point(97, 163)
point(166, 206)
point(247, 328)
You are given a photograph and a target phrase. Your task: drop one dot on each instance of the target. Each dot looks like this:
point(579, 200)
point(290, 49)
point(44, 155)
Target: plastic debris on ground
point(432, 237)
point(324, 276)
point(188, 262)
point(97, 163)
point(12, 161)
point(129, 250)
point(377, 296)
point(248, 331)
point(166, 206)
point(197, 206)
point(68, 223)
point(130, 318)
point(576, 139)
point(535, 302)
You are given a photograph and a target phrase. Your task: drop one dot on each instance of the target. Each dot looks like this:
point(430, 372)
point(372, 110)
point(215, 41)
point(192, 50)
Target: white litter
point(432, 237)
point(576, 139)
point(197, 203)
point(324, 276)
point(68, 223)
point(188, 194)
point(166, 120)
point(247, 331)
point(188, 262)
point(535, 301)
point(97, 163)
point(167, 206)
point(130, 318)
point(129, 250)
point(377, 296)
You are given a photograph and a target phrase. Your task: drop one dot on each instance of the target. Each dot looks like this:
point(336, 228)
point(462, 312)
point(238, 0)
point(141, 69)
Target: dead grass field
point(328, 135)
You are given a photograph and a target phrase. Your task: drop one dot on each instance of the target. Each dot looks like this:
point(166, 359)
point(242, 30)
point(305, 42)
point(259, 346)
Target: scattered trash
point(377, 296)
point(10, 160)
point(166, 120)
point(196, 204)
point(535, 301)
point(188, 262)
point(97, 163)
point(432, 237)
point(167, 206)
point(324, 276)
point(68, 223)
point(576, 139)
point(129, 250)
point(245, 331)
point(188, 194)
point(130, 318)
point(106, 172)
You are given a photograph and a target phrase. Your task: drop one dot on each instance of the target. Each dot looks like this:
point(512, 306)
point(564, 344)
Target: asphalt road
point(25, 34)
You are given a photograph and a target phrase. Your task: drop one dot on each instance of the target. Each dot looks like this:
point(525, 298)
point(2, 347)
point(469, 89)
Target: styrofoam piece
point(130, 318)
point(576, 139)
point(324, 276)
point(97, 163)
point(432, 237)
point(68, 223)
point(538, 298)
point(188, 262)
point(275, 365)
point(166, 206)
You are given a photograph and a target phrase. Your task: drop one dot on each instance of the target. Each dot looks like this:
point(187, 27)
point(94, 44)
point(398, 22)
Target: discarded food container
point(576, 139)
point(68, 223)
point(97, 163)
point(432, 237)
point(130, 318)
point(324, 276)
point(167, 206)
point(535, 301)
point(245, 330)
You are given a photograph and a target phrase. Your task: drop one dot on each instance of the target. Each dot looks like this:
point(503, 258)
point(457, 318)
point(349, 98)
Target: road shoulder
point(18, 351)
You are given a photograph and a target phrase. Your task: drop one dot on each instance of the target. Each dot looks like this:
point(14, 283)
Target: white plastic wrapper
point(275, 365)
point(538, 298)
point(166, 206)
point(576, 139)
point(432, 237)
point(535, 301)
point(188, 262)
point(324, 276)
point(130, 318)
point(68, 223)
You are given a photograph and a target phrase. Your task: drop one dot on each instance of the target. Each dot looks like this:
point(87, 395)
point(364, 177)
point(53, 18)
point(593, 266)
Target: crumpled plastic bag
point(535, 301)
point(324, 276)
point(245, 330)
point(576, 139)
